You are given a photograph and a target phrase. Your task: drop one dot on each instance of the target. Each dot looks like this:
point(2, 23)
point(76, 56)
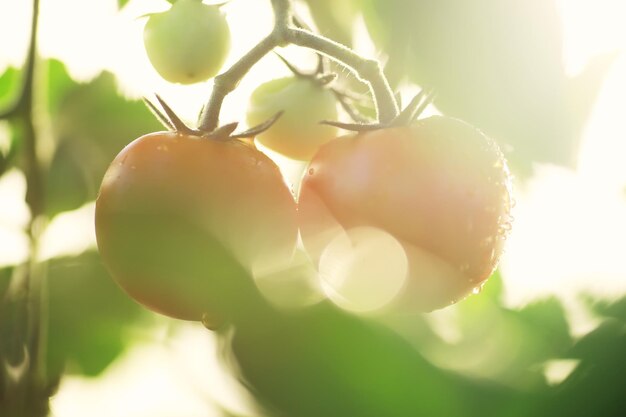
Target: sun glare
point(570, 228)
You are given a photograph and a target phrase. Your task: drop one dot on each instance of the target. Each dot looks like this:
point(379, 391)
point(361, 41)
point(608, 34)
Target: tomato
point(187, 43)
point(440, 187)
point(298, 133)
point(184, 223)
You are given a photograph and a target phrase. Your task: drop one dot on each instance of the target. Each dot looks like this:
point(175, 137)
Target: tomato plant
point(183, 222)
point(298, 133)
point(187, 43)
point(439, 186)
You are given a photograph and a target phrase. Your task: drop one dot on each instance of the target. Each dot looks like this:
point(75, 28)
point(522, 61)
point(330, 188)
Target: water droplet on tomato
point(311, 171)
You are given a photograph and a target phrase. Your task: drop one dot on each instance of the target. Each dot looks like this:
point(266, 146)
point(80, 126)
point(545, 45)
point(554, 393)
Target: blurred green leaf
point(494, 63)
point(5, 280)
point(323, 362)
point(546, 320)
point(334, 19)
point(596, 386)
point(93, 123)
point(69, 179)
point(12, 330)
point(609, 336)
point(59, 85)
point(9, 86)
point(90, 318)
point(121, 3)
point(9, 152)
point(611, 309)
point(9, 83)
point(503, 344)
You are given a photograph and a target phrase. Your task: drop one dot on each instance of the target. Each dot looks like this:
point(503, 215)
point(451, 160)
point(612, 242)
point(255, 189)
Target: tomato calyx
point(319, 76)
point(173, 122)
point(407, 116)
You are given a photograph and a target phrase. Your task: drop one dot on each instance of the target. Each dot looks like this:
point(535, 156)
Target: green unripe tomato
point(187, 43)
point(298, 133)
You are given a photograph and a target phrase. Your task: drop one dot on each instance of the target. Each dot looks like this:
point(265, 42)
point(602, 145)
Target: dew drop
point(311, 171)
point(477, 290)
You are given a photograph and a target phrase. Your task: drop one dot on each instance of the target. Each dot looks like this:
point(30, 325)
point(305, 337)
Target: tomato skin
point(440, 187)
point(187, 43)
point(183, 223)
point(298, 133)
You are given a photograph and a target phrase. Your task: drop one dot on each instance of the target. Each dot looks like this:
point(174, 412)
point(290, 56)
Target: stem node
point(283, 33)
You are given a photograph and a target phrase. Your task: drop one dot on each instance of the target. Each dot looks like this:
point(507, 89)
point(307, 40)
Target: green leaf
point(12, 332)
point(93, 123)
point(334, 19)
point(59, 85)
point(9, 86)
point(496, 64)
point(546, 318)
point(324, 362)
point(596, 386)
point(609, 309)
point(504, 344)
point(10, 149)
point(5, 280)
point(90, 318)
point(121, 3)
point(68, 178)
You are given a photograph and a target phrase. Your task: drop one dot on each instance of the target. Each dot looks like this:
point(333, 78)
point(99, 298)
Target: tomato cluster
point(188, 221)
point(184, 222)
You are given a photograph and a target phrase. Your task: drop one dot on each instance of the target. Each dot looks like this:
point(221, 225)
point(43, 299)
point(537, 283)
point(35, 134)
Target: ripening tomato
point(183, 223)
point(298, 133)
point(187, 43)
point(440, 187)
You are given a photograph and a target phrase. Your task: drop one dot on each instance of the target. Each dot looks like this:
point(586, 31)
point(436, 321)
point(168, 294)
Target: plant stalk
point(284, 33)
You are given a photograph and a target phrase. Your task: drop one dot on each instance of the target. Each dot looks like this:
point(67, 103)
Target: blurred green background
point(546, 336)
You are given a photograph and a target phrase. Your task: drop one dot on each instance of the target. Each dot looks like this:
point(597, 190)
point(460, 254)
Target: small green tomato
point(187, 43)
point(298, 133)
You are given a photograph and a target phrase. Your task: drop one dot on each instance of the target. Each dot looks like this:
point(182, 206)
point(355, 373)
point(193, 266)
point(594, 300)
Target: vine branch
point(284, 33)
point(28, 395)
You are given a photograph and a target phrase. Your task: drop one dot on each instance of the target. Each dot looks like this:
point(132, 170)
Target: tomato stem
point(367, 70)
point(28, 395)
